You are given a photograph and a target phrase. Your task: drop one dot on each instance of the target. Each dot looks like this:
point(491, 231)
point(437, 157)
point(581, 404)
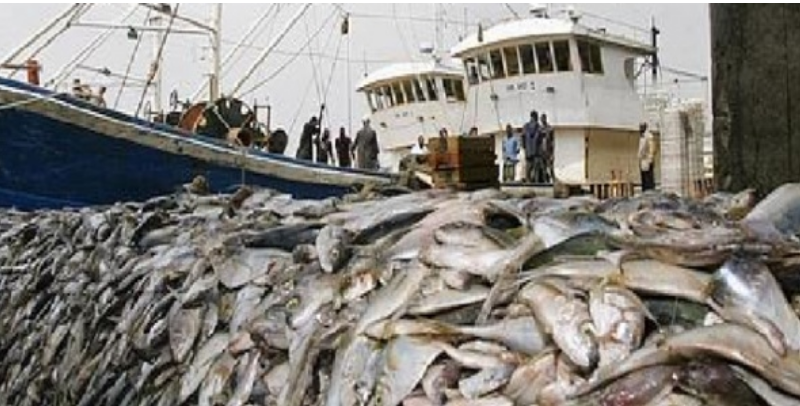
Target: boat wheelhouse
point(584, 79)
point(407, 100)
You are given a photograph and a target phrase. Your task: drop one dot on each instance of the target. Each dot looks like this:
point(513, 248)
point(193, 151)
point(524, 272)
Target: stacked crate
point(682, 130)
point(467, 163)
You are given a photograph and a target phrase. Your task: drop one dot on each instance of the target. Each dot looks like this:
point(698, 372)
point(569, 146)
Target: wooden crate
point(487, 176)
point(475, 152)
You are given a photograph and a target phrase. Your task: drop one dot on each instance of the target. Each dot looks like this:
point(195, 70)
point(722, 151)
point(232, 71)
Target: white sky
point(379, 34)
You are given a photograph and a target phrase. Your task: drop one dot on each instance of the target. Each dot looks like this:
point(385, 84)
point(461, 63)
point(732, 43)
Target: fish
point(529, 379)
point(201, 364)
point(780, 210)
point(184, 328)
point(566, 318)
point(618, 318)
point(730, 342)
point(333, 247)
point(747, 285)
point(437, 379)
point(639, 388)
point(405, 361)
point(485, 382)
point(218, 376)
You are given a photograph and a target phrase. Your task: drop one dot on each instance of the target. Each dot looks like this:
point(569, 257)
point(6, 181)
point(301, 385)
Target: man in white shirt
point(419, 148)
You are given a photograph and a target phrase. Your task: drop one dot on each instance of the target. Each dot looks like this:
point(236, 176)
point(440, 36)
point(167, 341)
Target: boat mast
point(216, 41)
point(156, 74)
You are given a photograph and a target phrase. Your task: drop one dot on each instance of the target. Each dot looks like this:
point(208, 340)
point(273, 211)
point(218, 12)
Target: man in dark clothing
point(548, 149)
point(343, 149)
point(366, 147)
point(310, 129)
point(323, 144)
point(532, 143)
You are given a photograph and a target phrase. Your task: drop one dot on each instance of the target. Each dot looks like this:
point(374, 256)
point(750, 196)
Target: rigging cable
point(280, 69)
point(157, 62)
point(84, 54)
point(130, 63)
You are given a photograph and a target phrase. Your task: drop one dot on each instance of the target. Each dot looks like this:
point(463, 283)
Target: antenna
point(654, 32)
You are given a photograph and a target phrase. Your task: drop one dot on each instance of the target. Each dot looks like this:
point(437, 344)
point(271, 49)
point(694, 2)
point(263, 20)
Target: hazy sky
point(379, 34)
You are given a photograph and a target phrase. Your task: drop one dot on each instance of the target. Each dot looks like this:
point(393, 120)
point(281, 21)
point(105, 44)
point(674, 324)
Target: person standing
point(366, 147)
point(323, 144)
point(419, 148)
point(531, 143)
point(343, 152)
point(510, 155)
point(548, 149)
point(647, 153)
point(304, 149)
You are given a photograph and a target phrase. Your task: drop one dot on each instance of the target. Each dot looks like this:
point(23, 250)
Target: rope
point(294, 57)
point(152, 74)
point(314, 72)
point(130, 63)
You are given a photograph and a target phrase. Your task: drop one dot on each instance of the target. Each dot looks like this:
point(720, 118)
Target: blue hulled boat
point(57, 151)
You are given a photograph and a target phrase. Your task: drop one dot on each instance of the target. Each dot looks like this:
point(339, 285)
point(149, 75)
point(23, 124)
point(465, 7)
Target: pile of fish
point(390, 298)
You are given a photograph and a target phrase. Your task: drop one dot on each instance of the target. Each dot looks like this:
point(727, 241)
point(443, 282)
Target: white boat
point(583, 78)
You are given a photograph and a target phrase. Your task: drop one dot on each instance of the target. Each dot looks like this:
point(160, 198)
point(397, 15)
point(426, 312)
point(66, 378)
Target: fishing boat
point(583, 77)
point(58, 150)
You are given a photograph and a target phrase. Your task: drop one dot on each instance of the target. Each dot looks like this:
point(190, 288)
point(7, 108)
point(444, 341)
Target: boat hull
point(58, 152)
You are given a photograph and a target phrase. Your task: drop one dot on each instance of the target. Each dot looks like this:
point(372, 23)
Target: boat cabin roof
point(397, 71)
point(516, 30)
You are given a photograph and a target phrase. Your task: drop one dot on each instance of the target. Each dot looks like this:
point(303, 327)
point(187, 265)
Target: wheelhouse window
point(544, 57)
point(527, 57)
point(372, 100)
point(512, 61)
point(483, 68)
point(449, 89)
point(418, 90)
point(498, 70)
point(561, 51)
point(471, 68)
point(433, 93)
point(591, 57)
point(459, 89)
point(388, 97)
point(409, 91)
point(399, 98)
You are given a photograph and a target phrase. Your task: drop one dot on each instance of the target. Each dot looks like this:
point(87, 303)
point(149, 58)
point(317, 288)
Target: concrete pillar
point(756, 95)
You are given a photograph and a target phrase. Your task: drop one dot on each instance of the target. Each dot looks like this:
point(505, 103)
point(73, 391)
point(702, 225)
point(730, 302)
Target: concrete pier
point(756, 95)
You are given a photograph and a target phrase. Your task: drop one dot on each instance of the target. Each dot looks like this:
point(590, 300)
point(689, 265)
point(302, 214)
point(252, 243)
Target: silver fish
point(217, 378)
point(437, 379)
point(333, 247)
point(184, 327)
point(394, 296)
point(529, 379)
point(780, 209)
point(485, 381)
point(566, 317)
point(245, 385)
point(405, 362)
point(246, 300)
point(748, 285)
point(201, 364)
point(618, 316)
point(731, 342)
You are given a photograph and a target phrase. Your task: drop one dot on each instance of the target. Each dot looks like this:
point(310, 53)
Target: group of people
point(538, 144)
point(316, 145)
point(85, 93)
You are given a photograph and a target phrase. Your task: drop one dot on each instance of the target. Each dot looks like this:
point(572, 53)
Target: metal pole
point(156, 64)
point(38, 35)
point(229, 56)
point(216, 67)
point(271, 47)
